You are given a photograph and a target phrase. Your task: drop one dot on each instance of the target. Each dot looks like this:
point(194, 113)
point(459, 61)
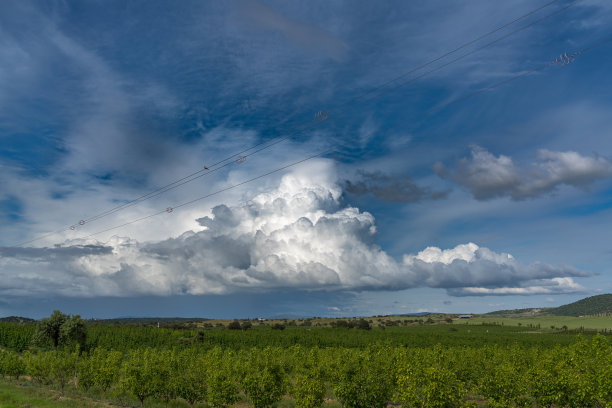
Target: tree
point(139, 374)
point(363, 324)
point(192, 386)
point(223, 389)
point(73, 332)
point(234, 325)
point(61, 329)
point(364, 379)
point(108, 367)
point(48, 330)
point(38, 366)
point(423, 380)
point(12, 365)
point(264, 382)
point(86, 372)
point(63, 367)
point(309, 387)
point(169, 375)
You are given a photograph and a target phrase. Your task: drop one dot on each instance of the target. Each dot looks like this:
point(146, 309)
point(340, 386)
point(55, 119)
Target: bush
point(264, 382)
point(365, 379)
point(234, 325)
point(12, 365)
point(223, 389)
point(363, 324)
point(38, 366)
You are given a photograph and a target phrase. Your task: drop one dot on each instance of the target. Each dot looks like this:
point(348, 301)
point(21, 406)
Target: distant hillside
point(591, 306)
point(520, 312)
point(594, 305)
point(16, 319)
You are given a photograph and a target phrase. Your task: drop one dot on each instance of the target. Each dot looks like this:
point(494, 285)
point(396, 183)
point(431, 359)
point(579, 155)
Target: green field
point(545, 322)
point(435, 360)
point(22, 394)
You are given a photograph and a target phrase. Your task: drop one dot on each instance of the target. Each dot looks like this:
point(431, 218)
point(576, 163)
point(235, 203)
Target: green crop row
point(574, 375)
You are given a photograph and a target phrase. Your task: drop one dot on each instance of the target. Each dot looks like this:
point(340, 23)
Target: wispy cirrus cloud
point(312, 38)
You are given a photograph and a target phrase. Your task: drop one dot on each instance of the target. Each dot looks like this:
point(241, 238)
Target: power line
point(338, 146)
point(319, 117)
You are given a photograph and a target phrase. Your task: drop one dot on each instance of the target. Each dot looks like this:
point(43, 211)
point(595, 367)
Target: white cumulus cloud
point(300, 235)
point(488, 176)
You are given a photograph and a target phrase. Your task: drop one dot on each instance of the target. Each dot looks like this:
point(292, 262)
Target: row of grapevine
point(578, 375)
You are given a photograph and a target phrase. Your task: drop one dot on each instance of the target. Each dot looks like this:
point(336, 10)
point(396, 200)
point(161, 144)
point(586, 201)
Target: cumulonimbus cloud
point(300, 235)
point(488, 176)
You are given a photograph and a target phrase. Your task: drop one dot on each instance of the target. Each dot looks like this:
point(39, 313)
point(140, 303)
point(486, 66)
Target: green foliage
point(363, 324)
point(589, 306)
point(309, 386)
point(502, 381)
point(424, 380)
point(48, 330)
point(264, 381)
point(107, 366)
point(16, 336)
point(139, 374)
point(126, 338)
point(223, 387)
point(38, 366)
point(234, 325)
point(11, 365)
point(365, 379)
point(60, 329)
point(62, 365)
point(191, 367)
point(477, 365)
point(86, 372)
point(73, 333)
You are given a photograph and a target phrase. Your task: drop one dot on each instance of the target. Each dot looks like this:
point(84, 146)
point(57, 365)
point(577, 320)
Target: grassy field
point(544, 322)
point(21, 394)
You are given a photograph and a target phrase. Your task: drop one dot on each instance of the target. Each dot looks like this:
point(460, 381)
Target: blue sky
point(502, 200)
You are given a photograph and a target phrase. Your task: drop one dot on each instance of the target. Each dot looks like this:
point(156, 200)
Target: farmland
point(413, 362)
point(545, 323)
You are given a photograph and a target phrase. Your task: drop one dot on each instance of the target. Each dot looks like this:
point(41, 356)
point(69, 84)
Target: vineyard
point(437, 365)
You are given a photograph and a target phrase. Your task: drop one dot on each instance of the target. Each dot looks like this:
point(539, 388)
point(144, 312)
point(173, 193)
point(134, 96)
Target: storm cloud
point(392, 189)
point(299, 236)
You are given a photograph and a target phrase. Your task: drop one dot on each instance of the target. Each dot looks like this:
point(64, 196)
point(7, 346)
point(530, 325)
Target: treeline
point(577, 375)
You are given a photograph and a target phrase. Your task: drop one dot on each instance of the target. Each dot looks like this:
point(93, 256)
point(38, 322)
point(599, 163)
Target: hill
point(16, 319)
point(519, 312)
point(591, 306)
point(594, 305)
